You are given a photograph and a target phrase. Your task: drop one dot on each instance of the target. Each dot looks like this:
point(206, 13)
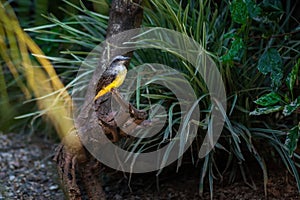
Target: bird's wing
point(106, 78)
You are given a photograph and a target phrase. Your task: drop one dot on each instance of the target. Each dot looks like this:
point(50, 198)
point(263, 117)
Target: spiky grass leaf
point(42, 80)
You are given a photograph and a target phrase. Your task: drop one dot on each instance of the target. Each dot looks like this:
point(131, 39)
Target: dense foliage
point(256, 45)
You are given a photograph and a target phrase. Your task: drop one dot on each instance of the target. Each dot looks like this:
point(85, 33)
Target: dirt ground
point(27, 172)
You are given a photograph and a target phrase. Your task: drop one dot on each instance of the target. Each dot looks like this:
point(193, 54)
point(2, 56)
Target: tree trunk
point(124, 15)
point(79, 171)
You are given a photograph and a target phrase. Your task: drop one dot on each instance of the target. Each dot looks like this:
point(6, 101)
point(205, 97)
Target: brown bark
point(76, 167)
point(124, 15)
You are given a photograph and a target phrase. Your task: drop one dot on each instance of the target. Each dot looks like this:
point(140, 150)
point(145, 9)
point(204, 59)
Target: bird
point(113, 77)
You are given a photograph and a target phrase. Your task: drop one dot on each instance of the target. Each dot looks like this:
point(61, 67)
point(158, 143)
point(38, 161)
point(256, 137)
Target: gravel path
point(27, 172)
point(26, 169)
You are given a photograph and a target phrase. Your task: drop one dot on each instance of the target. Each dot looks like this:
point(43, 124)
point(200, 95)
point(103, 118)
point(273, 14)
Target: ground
point(28, 172)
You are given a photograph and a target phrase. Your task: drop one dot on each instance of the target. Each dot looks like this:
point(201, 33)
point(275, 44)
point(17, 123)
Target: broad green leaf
point(239, 11)
point(271, 62)
point(292, 77)
point(292, 139)
point(268, 99)
point(266, 110)
point(290, 108)
point(236, 48)
point(253, 9)
point(276, 77)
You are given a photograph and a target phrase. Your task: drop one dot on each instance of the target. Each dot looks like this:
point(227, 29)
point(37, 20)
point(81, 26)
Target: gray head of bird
point(120, 60)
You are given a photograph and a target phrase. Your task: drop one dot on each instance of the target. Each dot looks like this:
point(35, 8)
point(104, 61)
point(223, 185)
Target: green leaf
point(292, 77)
point(290, 108)
point(253, 9)
point(268, 99)
point(273, 10)
point(237, 45)
point(272, 4)
point(267, 110)
point(292, 139)
point(271, 62)
point(239, 11)
point(229, 35)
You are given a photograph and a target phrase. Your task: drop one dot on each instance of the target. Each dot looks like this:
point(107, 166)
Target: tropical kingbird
point(113, 76)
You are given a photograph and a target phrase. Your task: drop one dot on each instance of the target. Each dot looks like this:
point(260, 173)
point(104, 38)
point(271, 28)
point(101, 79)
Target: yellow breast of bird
point(119, 72)
point(120, 77)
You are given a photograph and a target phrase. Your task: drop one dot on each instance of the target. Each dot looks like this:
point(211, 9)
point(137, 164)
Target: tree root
point(79, 176)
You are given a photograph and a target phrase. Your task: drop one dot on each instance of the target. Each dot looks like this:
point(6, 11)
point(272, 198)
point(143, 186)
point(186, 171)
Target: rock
point(11, 177)
point(53, 187)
